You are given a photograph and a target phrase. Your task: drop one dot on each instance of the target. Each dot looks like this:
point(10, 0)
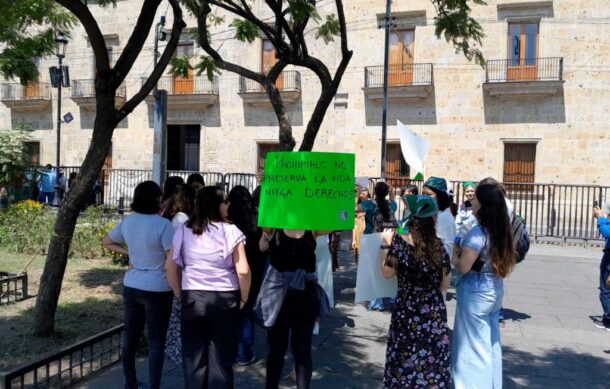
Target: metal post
point(57, 156)
point(159, 119)
point(386, 60)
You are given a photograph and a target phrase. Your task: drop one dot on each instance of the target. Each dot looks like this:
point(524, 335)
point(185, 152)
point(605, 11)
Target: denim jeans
point(604, 289)
point(152, 309)
point(46, 197)
point(476, 353)
point(245, 349)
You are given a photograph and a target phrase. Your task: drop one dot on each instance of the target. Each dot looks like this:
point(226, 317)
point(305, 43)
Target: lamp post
point(61, 42)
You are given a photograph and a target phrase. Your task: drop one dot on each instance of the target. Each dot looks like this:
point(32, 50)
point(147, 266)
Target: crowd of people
point(202, 274)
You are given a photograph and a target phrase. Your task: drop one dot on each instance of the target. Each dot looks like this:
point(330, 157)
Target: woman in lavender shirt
point(209, 271)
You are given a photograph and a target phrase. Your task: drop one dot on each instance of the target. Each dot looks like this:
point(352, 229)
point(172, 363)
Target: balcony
point(409, 82)
point(83, 94)
point(519, 77)
point(289, 84)
point(195, 92)
point(32, 97)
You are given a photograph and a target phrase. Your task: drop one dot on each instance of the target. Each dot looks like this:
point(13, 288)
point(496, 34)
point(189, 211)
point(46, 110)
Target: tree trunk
point(59, 246)
point(317, 117)
point(287, 141)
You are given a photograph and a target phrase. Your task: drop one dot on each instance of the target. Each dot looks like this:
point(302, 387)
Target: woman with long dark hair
point(418, 354)
point(147, 294)
point(438, 189)
point(209, 271)
point(242, 213)
point(169, 188)
point(379, 214)
point(486, 258)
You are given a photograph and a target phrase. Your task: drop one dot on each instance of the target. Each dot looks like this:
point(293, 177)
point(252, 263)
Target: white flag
point(414, 148)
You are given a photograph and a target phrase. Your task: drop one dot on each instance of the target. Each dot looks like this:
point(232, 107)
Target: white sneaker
point(316, 329)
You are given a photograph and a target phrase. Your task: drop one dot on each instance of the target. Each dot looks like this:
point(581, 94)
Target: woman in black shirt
point(290, 301)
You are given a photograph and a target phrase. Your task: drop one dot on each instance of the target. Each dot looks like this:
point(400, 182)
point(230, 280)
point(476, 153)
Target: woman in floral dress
point(418, 353)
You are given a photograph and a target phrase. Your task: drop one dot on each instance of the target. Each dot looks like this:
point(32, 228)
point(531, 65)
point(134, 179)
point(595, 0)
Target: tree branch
point(342, 28)
point(157, 72)
point(98, 44)
point(248, 15)
point(136, 41)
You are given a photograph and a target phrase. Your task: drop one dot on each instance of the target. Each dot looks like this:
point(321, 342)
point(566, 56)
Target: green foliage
point(180, 66)
point(245, 30)
point(26, 227)
point(13, 153)
point(207, 65)
point(329, 29)
point(454, 22)
point(22, 43)
point(301, 10)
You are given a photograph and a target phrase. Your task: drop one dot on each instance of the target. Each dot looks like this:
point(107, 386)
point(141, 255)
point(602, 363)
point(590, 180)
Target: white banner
point(370, 282)
point(324, 267)
point(414, 148)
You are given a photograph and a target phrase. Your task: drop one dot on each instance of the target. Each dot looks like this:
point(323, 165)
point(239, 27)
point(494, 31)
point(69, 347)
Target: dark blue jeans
point(604, 289)
point(46, 197)
point(152, 309)
point(245, 349)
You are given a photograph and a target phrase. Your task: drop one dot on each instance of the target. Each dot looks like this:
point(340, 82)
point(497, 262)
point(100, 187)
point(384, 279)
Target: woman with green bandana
point(418, 353)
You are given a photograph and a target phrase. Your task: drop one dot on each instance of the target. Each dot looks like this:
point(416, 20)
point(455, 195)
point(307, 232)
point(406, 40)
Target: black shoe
point(604, 324)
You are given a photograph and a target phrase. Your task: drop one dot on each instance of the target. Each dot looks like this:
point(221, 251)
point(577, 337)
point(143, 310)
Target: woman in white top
point(437, 188)
point(180, 205)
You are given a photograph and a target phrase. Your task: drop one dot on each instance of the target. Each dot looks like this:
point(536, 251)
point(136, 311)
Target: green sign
point(308, 191)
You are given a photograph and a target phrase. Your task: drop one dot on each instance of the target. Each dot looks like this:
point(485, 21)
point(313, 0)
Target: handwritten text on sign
point(308, 191)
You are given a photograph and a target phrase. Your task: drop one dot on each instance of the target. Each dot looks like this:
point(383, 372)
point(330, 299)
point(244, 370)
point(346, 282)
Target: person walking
point(147, 295)
point(359, 223)
point(179, 209)
point(603, 223)
point(290, 301)
point(379, 214)
point(418, 352)
point(209, 272)
point(242, 212)
point(487, 256)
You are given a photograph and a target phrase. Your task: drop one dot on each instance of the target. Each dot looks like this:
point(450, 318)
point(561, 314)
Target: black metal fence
point(550, 210)
point(16, 91)
point(289, 80)
point(68, 366)
point(399, 75)
point(86, 88)
point(528, 69)
point(13, 287)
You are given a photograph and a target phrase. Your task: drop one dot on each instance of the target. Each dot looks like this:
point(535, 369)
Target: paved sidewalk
point(549, 340)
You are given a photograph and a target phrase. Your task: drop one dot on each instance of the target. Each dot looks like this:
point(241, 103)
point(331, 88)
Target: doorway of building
point(183, 147)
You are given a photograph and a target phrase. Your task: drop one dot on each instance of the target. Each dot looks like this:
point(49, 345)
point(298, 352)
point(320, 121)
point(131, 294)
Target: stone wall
point(466, 126)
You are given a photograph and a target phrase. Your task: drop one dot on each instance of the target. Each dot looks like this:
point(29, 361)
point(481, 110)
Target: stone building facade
point(539, 111)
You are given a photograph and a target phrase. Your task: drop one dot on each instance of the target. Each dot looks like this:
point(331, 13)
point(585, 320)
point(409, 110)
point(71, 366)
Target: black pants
point(295, 323)
point(153, 310)
point(210, 333)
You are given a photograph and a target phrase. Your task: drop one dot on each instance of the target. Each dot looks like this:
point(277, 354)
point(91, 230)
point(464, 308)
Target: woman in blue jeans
point(486, 258)
point(146, 293)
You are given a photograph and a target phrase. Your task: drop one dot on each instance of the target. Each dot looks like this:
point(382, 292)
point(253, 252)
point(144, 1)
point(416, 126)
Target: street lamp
point(61, 43)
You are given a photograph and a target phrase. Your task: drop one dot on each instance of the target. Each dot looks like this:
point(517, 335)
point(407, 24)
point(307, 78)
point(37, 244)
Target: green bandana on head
point(437, 183)
point(421, 206)
point(469, 185)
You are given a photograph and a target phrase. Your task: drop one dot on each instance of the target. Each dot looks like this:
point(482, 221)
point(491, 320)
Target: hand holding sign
point(308, 191)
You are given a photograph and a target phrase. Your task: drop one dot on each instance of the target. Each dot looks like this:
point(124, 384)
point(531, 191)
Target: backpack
point(521, 238)
point(378, 222)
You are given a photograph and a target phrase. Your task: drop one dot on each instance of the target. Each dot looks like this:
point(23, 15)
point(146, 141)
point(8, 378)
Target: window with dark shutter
point(519, 165)
point(395, 165)
point(263, 150)
point(32, 153)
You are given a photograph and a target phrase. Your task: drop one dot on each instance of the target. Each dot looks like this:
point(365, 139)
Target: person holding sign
point(418, 353)
point(290, 301)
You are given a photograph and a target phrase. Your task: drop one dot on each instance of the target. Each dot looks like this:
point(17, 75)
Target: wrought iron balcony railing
point(289, 81)
point(16, 91)
point(195, 85)
point(399, 75)
point(528, 69)
point(86, 88)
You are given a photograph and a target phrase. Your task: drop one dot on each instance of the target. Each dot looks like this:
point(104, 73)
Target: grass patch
point(90, 302)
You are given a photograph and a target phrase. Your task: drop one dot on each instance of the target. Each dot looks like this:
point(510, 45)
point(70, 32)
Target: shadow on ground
point(558, 368)
point(102, 278)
